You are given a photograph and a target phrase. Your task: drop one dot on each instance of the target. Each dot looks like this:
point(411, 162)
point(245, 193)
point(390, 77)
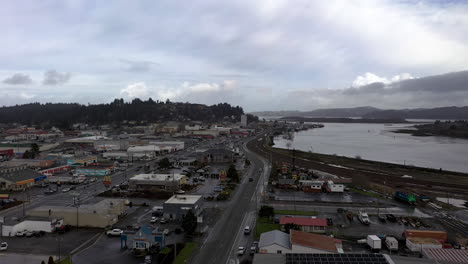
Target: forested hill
point(63, 115)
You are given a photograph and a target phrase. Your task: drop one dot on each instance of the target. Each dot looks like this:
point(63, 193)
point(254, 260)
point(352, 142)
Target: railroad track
point(390, 180)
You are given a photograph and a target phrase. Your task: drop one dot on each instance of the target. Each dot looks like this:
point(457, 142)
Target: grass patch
point(65, 261)
point(264, 225)
point(165, 250)
point(371, 194)
point(185, 254)
point(292, 212)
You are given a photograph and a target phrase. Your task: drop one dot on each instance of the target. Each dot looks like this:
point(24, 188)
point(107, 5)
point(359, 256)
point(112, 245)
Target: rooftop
point(303, 221)
point(446, 254)
point(158, 177)
point(274, 237)
point(183, 199)
point(314, 241)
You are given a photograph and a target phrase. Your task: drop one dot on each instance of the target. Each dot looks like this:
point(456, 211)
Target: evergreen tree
point(232, 173)
point(189, 222)
point(51, 260)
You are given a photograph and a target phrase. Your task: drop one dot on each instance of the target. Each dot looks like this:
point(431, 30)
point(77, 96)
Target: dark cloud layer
point(53, 77)
point(18, 78)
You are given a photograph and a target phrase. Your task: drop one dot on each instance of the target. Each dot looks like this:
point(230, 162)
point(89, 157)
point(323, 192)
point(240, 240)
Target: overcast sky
point(261, 55)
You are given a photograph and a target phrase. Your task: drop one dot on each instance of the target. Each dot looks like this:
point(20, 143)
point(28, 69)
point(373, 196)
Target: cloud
point(18, 78)
point(53, 77)
point(137, 66)
point(26, 96)
point(369, 78)
point(136, 90)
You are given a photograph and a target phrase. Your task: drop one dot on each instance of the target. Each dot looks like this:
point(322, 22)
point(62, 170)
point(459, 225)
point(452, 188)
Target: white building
point(244, 120)
point(171, 145)
point(158, 182)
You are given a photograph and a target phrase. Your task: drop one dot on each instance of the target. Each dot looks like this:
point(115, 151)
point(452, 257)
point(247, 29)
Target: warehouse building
point(158, 182)
point(102, 214)
point(95, 169)
point(178, 205)
point(19, 178)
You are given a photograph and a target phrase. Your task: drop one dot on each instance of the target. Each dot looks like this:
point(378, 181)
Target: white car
point(3, 246)
point(241, 250)
point(166, 232)
point(114, 232)
point(154, 219)
point(20, 233)
point(66, 190)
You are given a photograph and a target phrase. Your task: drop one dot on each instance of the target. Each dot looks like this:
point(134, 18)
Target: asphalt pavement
point(221, 244)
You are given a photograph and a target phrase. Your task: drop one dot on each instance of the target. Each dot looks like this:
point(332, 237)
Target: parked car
point(241, 250)
point(20, 233)
point(166, 232)
point(66, 190)
point(63, 228)
point(163, 220)
point(3, 246)
point(148, 259)
point(114, 232)
point(92, 180)
point(154, 219)
point(38, 233)
point(180, 192)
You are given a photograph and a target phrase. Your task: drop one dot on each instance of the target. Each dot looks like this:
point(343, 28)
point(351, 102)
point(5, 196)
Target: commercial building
point(443, 255)
point(311, 225)
point(81, 161)
point(157, 182)
point(30, 223)
point(102, 214)
point(178, 205)
point(244, 120)
point(32, 163)
point(171, 146)
point(277, 242)
point(19, 178)
point(329, 258)
point(95, 169)
point(216, 156)
point(91, 140)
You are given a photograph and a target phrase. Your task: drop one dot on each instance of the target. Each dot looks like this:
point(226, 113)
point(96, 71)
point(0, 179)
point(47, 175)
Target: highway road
point(221, 244)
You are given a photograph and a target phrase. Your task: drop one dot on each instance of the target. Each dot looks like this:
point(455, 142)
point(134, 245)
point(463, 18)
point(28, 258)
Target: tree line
point(63, 115)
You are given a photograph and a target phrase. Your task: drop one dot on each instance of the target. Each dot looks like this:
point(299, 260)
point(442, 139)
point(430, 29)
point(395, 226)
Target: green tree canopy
point(290, 226)
point(189, 222)
point(164, 163)
point(232, 173)
point(266, 211)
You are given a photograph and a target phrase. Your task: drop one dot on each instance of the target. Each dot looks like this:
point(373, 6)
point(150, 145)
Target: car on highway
point(3, 246)
point(250, 179)
point(154, 219)
point(93, 180)
point(253, 250)
point(20, 233)
point(66, 190)
point(240, 250)
point(114, 232)
point(49, 191)
point(29, 233)
point(166, 232)
point(179, 192)
point(163, 220)
point(247, 230)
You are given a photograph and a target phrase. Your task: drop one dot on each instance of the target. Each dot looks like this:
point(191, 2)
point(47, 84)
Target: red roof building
point(310, 225)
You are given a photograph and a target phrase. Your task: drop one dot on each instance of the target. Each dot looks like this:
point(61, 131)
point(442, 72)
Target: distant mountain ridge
point(368, 112)
point(327, 112)
point(451, 112)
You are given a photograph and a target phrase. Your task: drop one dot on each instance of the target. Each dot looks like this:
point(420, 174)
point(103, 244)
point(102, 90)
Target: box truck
point(374, 242)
